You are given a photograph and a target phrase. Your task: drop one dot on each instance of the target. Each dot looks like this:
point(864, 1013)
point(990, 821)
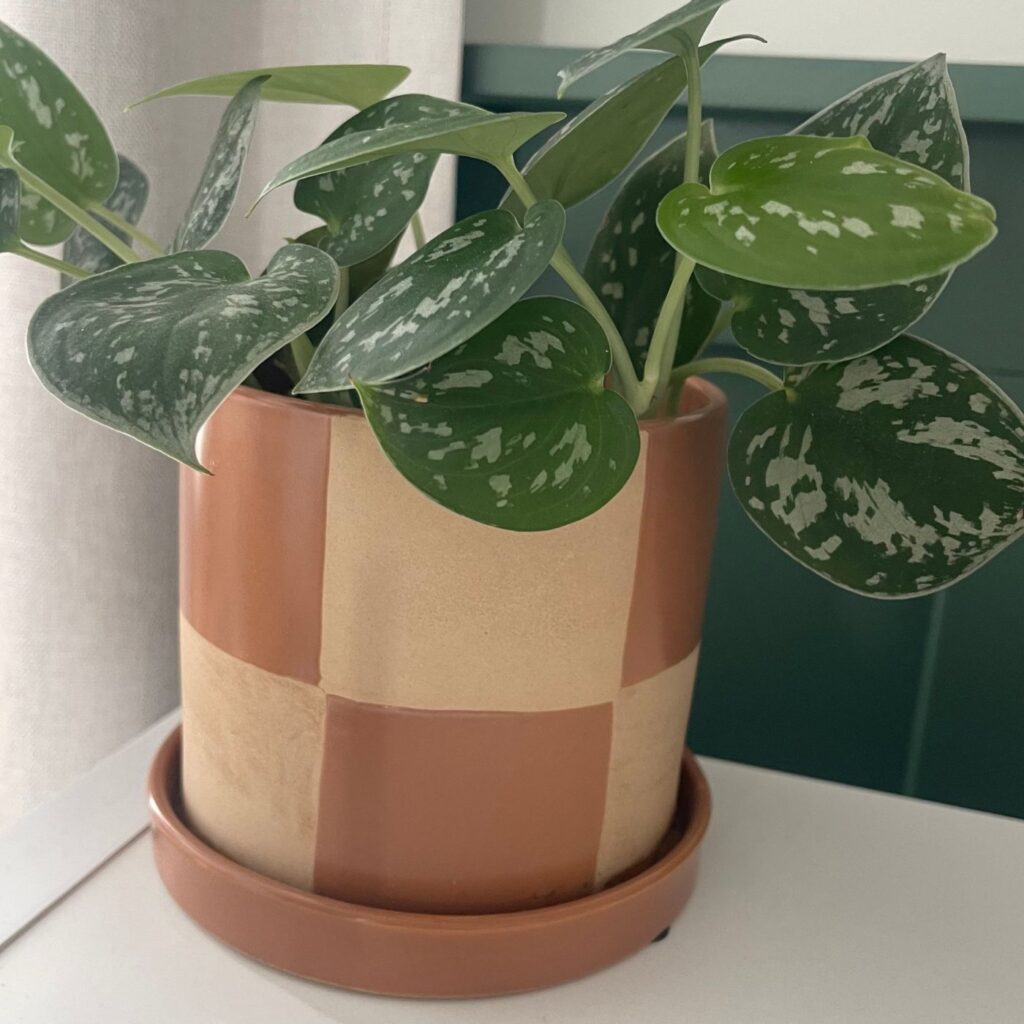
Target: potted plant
point(444, 546)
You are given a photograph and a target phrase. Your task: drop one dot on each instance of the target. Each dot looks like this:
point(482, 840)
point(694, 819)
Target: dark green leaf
point(10, 204)
point(367, 206)
point(811, 213)
point(152, 348)
point(892, 475)
point(599, 142)
point(630, 265)
point(911, 114)
point(455, 128)
point(667, 33)
point(218, 184)
point(353, 85)
point(438, 298)
point(514, 428)
point(127, 200)
point(59, 137)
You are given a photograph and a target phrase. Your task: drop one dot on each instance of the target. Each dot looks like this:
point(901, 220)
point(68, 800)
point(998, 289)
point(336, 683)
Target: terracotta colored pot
point(393, 706)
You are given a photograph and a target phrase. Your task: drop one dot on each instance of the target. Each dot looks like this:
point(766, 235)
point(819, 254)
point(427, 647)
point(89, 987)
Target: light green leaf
point(10, 204)
point(456, 128)
point(911, 114)
point(353, 85)
point(128, 200)
point(367, 206)
point(690, 21)
point(514, 428)
point(892, 475)
point(218, 184)
point(630, 265)
point(811, 213)
point(438, 298)
point(152, 348)
point(58, 137)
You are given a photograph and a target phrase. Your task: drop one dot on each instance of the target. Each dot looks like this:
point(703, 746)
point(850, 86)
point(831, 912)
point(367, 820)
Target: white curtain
point(88, 558)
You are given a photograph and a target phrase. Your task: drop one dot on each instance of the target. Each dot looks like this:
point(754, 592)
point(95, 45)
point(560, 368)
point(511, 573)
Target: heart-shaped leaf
point(218, 184)
point(804, 212)
point(440, 296)
point(911, 114)
point(667, 33)
point(59, 137)
point(367, 206)
point(152, 348)
point(454, 128)
point(352, 85)
point(128, 200)
point(892, 475)
point(10, 205)
point(514, 428)
point(630, 265)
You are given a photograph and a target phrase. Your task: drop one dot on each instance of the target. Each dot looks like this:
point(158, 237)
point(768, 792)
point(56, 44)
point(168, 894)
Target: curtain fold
point(88, 561)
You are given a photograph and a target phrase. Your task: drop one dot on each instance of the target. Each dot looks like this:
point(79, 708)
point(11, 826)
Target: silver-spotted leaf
point(10, 203)
point(815, 213)
point(515, 427)
point(457, 128)
point(218, 184)
point(439, 297)
point(911, 114)
point(630, 265)
point(690, 21)
point(893, 474)
point(152, 348)
point(598, 143)
point(352, 85)
point(367, 206)
point(59, 137)
point(128, 200)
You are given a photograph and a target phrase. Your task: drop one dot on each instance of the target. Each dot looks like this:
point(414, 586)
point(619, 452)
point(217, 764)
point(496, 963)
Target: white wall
point(978, 31)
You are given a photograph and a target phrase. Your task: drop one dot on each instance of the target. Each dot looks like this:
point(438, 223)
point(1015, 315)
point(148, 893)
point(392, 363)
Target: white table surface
point(817, 903)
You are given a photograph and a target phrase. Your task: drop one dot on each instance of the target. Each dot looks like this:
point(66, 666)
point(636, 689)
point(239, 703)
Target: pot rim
point(710, 399)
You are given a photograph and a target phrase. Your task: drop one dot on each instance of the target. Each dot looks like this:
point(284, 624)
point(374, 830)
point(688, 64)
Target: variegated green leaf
point(690, 21)
point(814, 213)
point(10, 203)
point(630, 265)
point(893, 474)
point(367, 206)
point(352, 85)
point(218, 184)
point(152, 348)
point(455, 128)
point(58, 137)
point(911, 114)
point(515, 427)
point(438, 298)
point(128, 200)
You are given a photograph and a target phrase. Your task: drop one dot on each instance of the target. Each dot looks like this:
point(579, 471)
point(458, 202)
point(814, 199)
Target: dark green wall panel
point(922, 696)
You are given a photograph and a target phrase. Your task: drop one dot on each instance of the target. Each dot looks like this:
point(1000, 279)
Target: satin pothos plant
point(877, 459)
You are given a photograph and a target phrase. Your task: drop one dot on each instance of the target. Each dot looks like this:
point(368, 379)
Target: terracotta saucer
point(429, 955)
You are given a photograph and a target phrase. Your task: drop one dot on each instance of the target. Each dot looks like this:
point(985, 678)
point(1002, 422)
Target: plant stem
point(341, 302)
point(724, 364)
point(563, 265)
point(117, 221)
point(50, 261)
point(722, 321)
point(75, 212)
point(665, 339)
point(419, 236)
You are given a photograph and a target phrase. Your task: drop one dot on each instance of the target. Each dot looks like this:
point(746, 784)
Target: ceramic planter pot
point(395, 707)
